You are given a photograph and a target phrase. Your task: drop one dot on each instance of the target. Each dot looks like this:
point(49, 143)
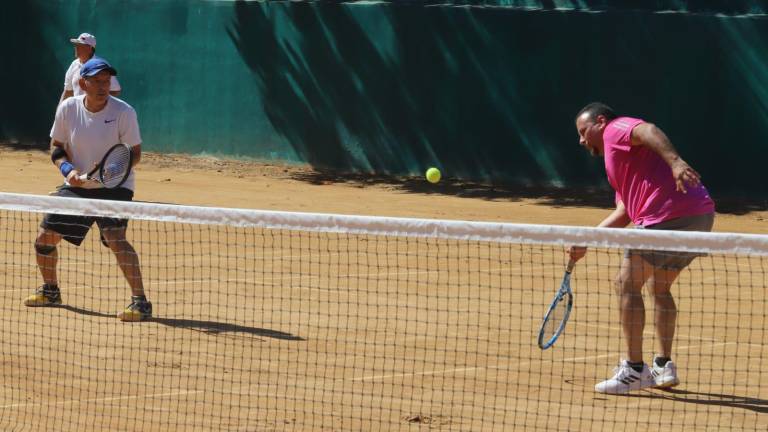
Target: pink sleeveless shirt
point(644, 182)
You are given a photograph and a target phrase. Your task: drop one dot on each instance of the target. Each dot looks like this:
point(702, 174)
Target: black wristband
point(57, 154)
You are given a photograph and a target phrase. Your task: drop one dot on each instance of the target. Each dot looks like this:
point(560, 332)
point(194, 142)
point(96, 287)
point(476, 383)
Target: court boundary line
point(481, 368)
point(105, 399)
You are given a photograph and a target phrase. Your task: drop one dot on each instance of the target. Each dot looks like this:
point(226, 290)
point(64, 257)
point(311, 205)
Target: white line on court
point(646, 333)
point(108, 399)
point(265, 281)
point(480, 368)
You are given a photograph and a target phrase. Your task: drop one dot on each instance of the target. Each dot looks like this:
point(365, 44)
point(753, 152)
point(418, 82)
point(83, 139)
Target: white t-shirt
point(72, 79)
point(87, 136)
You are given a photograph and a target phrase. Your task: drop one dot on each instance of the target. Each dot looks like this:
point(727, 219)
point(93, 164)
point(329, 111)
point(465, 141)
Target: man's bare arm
point(647, 134)
point(66, 94)
point(60, 156)
point(136, 154)
point(617, 219)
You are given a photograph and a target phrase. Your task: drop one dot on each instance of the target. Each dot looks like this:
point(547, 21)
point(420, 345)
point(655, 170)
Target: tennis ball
point(433, 175)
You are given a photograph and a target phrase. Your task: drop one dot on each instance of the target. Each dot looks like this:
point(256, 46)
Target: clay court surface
point(261, 330)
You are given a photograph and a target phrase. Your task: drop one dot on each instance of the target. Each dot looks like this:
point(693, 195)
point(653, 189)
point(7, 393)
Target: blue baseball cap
point(96, 65)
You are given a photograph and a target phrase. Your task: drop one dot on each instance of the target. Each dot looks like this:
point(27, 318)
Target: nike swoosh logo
point(109, 121)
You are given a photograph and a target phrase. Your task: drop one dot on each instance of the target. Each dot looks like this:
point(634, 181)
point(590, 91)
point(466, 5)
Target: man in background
point(85, 49)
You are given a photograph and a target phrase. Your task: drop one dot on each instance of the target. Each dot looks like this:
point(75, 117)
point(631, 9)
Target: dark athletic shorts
point(669, 260)
point(74, 228)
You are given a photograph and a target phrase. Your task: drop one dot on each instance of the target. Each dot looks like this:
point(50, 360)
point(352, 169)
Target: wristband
point(57, 154)
point(66, 168)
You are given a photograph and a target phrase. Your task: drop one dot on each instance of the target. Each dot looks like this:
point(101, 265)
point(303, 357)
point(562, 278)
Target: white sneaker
point(626, 379)
point(665, 376)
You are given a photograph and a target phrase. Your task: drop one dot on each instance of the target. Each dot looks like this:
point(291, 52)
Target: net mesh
point(290, 321)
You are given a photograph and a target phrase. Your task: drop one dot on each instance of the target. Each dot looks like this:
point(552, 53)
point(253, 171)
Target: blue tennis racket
point(114, 168)
point(559, 311)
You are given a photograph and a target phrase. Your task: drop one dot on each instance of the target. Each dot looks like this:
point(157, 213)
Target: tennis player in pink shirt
point(655, 189)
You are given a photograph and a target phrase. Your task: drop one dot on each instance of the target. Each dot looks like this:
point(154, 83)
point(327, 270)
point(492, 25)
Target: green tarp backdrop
point(485, 90)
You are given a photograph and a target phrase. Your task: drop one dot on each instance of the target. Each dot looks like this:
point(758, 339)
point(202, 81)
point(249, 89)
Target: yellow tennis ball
point(433, 175)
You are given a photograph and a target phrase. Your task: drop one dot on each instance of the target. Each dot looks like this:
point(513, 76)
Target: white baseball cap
point(85, 39)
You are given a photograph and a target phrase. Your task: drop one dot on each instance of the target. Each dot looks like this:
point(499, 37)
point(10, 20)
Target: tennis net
point(295, 321)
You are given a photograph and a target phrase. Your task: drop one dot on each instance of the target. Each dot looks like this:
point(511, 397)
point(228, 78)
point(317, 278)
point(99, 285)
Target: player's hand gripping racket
point(559, 311)
point(114, 168)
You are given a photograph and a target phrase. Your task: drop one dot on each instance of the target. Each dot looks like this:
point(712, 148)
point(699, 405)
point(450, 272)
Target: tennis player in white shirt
point(85, 49)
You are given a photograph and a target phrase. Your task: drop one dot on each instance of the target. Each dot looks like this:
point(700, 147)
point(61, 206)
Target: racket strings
point(555, 318)
point(116, 166)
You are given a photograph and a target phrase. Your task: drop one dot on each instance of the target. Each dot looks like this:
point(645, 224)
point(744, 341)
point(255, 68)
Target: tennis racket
point(114, 168)
point(559, 311)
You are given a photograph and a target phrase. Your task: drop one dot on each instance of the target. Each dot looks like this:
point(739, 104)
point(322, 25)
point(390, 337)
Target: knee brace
point(44, 249)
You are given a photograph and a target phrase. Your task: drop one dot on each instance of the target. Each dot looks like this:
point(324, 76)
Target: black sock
point(637, 367)
point(661, 361)
point(49, 287)
point(141, 298)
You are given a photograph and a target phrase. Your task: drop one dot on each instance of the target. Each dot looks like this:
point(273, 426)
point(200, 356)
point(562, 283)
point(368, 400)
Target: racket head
point(557, 315)
point(115, 167)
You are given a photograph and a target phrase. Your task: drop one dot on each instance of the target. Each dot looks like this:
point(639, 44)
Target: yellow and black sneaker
point(139, 310)
point(44, 296)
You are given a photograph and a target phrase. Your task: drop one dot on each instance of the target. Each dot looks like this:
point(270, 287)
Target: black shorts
point(74, 228)
point(669, 260)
